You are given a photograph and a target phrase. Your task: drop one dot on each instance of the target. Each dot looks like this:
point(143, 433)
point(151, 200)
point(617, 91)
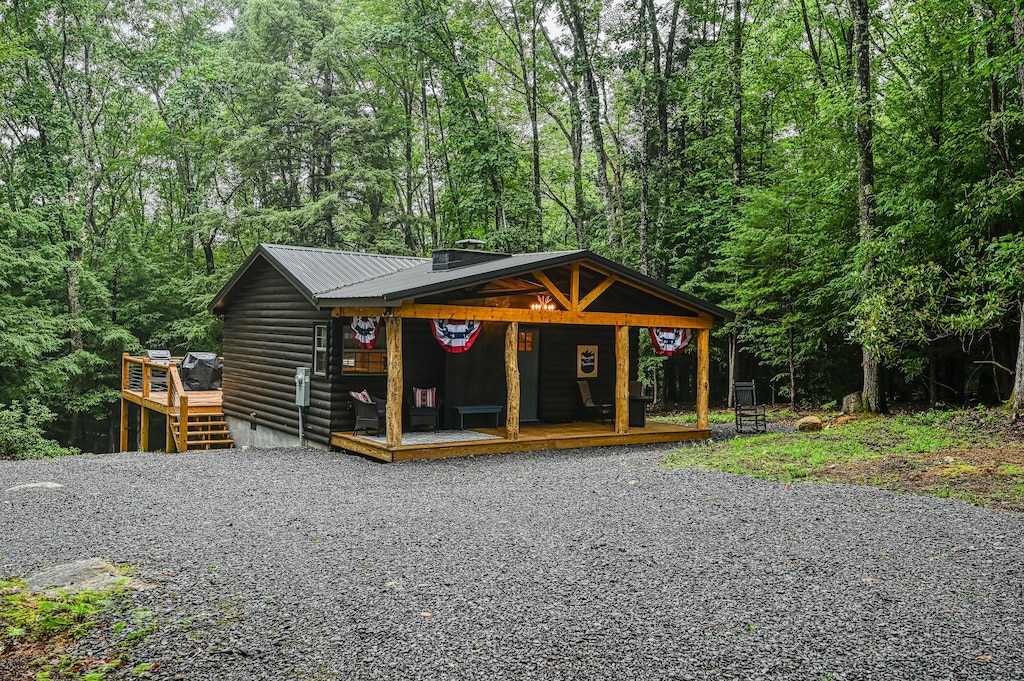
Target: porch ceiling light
point(544, 302)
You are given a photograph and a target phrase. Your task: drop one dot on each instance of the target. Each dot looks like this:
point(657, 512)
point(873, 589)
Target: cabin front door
point(529, 372)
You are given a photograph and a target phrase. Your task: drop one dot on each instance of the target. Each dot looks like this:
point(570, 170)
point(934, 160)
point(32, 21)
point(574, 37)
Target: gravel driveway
point(587, 564)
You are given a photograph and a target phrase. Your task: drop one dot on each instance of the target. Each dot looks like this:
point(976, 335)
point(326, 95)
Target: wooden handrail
point(176, 398)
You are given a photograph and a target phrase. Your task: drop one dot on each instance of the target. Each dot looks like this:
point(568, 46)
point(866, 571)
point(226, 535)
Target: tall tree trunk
point(737, 94)
point(792, 371)
point(571, 11)
point(538, 208)
point(863, 125)
point(428, 161)
point(645, 140)
point(1017, 398)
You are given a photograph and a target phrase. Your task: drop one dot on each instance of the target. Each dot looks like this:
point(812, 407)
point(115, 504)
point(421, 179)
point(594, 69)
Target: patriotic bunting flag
point(365, 331)
point(670, 341)
point(456, 335)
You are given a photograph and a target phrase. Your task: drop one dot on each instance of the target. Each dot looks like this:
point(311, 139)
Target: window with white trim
point(320, 350)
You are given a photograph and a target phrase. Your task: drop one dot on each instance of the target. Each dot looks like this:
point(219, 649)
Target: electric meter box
point(302, 386)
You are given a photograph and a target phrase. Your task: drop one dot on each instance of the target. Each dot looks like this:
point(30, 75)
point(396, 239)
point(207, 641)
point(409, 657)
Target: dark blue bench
point(461, 411)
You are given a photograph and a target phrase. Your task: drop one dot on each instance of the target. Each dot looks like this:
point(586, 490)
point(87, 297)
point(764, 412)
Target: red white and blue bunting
point(670, 341)
point(456, 335)
point(365, 331)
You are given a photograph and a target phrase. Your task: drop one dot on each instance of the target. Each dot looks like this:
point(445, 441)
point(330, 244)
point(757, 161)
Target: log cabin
point(503, 340)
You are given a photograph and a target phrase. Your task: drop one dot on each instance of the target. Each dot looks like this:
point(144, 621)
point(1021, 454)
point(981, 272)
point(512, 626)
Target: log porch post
point(144, 430)
point(396, 379)
point(703, 342)
point(124, 426)
point(621, 379)
point(512, 380)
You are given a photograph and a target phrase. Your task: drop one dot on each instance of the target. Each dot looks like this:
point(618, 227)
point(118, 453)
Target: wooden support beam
point(124, 426)
point(147, 374)
point(703, 360)
point(621, 379)
point(144, 430)
point(396, 380)
point(596, 293)
point(574, 286)
point(169, 435)
point(182, 423)
point(554, 290)
point(358, 311)
point(512, 379)
point(526, 316)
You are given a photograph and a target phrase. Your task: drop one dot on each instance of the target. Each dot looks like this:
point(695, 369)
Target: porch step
point(203, 431)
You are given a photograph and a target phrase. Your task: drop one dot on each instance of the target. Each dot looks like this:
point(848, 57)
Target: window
point(320, 350)
point(357, 360)
point(526, 341)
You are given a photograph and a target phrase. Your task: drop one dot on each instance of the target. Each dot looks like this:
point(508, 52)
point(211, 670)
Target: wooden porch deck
point(195, 418)
point(198, 400)
point(531, 437)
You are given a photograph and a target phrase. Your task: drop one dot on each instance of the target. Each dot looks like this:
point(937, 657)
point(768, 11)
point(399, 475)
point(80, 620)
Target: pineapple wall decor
point(586, 361)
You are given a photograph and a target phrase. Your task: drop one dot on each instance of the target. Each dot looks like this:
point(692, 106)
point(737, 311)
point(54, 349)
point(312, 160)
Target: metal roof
point(316, 270)
point(331, 278)
point(424, 280)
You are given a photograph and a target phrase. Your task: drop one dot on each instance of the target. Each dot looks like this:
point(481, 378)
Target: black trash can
point(201, 371)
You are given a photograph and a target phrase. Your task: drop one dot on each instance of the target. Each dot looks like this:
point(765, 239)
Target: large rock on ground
point(808, 423)
point(851, 403)
point(91, 574)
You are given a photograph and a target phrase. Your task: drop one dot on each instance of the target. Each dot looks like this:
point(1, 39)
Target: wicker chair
point(370, 415)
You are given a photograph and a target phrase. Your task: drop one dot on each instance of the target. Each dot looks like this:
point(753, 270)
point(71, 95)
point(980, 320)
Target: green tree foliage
point(147, 147)
point(21, 433)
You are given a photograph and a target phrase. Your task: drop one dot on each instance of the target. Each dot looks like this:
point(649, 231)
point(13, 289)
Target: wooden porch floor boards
point(198, 400)
point(531, 437)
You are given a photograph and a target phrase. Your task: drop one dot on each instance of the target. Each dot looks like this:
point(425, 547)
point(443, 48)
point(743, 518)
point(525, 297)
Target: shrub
point(21, 432)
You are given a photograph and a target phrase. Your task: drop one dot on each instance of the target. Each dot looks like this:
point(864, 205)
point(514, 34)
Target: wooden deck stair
point(204, 431)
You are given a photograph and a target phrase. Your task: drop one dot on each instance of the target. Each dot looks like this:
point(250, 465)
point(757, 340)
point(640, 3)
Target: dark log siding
point(268, 332)
point(559, 394)
point(478, 375)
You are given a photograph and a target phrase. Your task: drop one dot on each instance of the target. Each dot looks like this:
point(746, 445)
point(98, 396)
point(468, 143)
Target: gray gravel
point(585, 564)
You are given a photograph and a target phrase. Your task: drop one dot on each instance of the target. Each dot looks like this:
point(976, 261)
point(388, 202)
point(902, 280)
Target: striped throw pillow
point(424, 397)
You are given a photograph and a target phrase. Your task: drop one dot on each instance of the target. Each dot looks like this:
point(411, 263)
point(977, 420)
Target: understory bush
point(21, 432)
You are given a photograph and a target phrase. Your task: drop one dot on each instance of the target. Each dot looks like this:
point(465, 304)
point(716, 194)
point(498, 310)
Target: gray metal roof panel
point(314, 270)
point(320, 270)
point(423, 279)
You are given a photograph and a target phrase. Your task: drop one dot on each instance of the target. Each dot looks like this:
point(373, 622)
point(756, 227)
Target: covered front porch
point(532, 437)
point(553, 349)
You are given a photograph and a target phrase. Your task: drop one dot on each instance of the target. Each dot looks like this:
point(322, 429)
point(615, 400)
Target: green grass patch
point(38, 631)
point(946, 454)
point(691, 417)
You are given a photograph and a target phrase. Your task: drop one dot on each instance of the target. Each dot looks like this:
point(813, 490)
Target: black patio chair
point(748, 411)
point(424, 406)
point(592, 408)
point(370, 415)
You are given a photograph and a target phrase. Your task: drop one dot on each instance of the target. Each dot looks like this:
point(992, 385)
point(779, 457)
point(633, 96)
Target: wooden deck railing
point(173, 396)
point(177, 399)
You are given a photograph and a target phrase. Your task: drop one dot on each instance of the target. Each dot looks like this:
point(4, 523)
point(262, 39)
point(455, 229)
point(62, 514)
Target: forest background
point(840, 173)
